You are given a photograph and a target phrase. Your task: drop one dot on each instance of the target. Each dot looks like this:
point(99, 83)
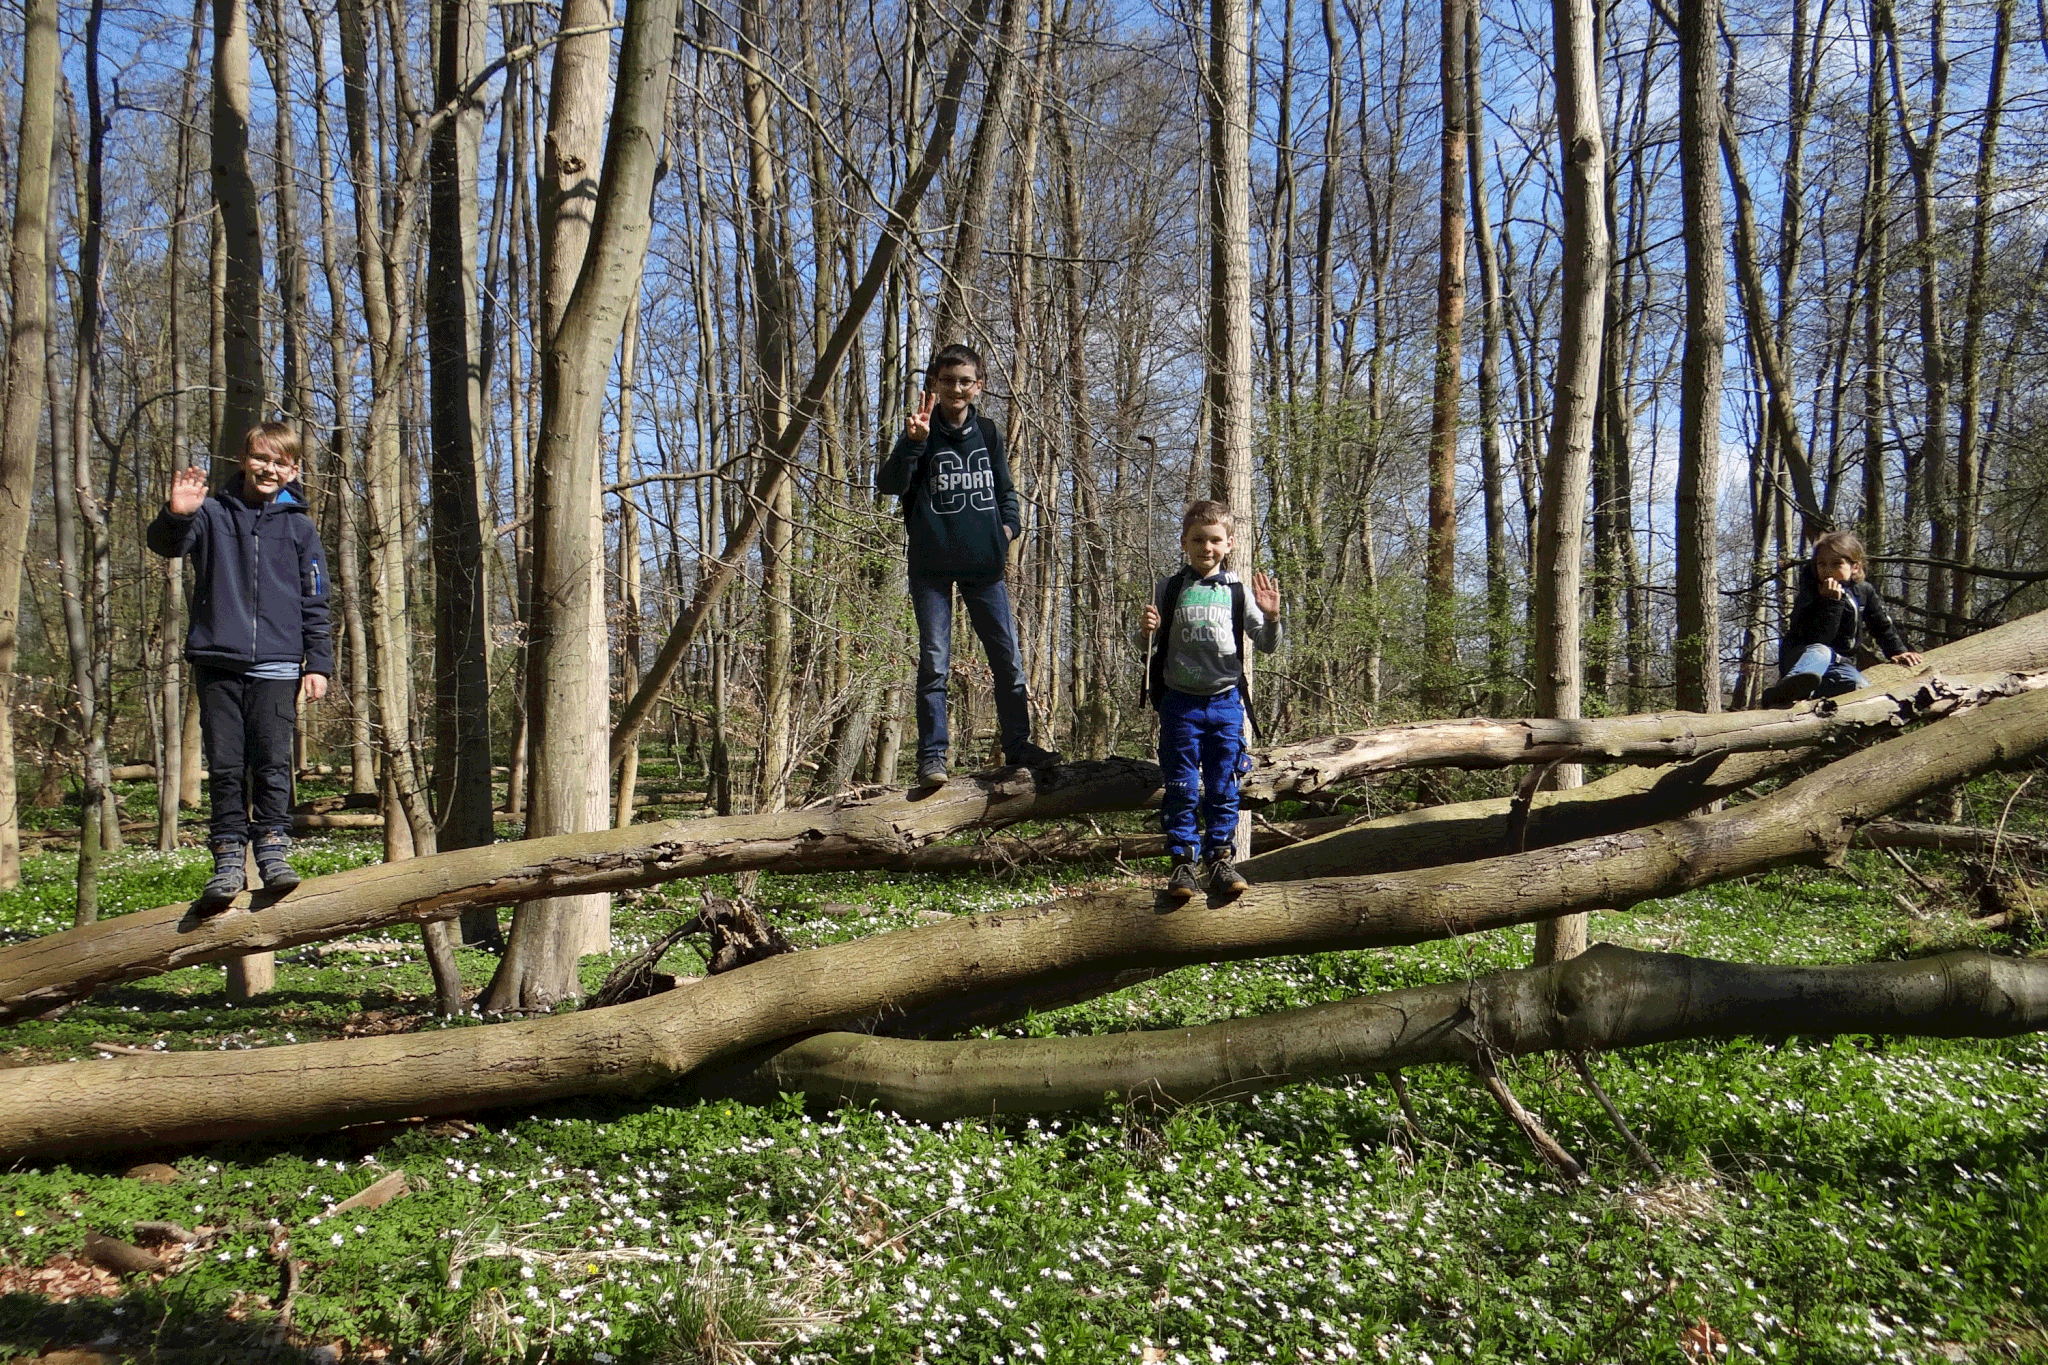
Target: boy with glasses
point(258, 641)
point(960, 514)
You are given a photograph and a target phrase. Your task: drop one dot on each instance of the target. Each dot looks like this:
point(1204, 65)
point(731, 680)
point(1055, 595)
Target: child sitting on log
point(1833, 608)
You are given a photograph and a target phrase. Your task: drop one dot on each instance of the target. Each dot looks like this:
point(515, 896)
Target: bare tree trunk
point(241, 338)
point(1554, 612)
point(462, 715)
point(1969, 506)
point(1697, 649)
point(774, 316)
point(1440, 645)
point(566, 696)
point(958, 298)
point(1876, 234)
point(1922, 159)
point(342, 453)
point(1492, 473)
point(1228, 354)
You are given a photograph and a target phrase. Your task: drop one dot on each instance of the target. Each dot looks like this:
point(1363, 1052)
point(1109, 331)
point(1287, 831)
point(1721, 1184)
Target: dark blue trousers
point(1202, 757)
point(988, 608)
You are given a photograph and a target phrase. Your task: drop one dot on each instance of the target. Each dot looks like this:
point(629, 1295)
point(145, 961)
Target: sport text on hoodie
point(259, 580)
point(957, 499)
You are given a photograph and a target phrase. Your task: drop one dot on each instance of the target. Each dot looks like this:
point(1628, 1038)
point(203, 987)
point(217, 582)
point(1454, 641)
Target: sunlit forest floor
point(1856, 1199)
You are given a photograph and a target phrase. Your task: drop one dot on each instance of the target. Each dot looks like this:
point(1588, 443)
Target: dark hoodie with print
point(259, 580)
point(957, 499)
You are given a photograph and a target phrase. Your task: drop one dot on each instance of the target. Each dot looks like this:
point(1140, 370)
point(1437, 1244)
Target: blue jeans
point(988, 608)
point(1835, 671)
point(1202, 758)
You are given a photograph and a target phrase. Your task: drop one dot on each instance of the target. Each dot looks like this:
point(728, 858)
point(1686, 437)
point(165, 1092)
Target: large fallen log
point(1634, 796)
point(1608, 999)
point(636, 1047)
point(887, 829)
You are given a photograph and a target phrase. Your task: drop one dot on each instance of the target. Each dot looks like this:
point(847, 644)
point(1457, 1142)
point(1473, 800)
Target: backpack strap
point(1244, 686)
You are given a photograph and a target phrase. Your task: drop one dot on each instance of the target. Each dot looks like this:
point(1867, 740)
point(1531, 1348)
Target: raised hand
point(1831, 587)
point(1266, 592)
point(918, 425)
point(188, 491)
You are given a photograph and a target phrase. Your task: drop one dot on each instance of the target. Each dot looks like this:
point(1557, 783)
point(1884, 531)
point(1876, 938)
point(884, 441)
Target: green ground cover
point(1849, 1200)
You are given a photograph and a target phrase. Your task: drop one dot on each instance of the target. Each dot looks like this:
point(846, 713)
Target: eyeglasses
point(954, 382)
point(278, 465)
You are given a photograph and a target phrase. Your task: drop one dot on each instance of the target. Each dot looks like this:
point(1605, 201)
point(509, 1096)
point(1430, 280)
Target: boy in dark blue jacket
point(960, 513)
point(258, 641)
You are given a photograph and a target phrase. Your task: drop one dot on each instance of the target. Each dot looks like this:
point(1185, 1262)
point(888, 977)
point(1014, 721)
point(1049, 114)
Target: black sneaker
point(1793, 687)
point(1184, 882)
point(228, 879)
point(277, 874)
point(1031, 756)
point(1224, 878)
point(932, 773)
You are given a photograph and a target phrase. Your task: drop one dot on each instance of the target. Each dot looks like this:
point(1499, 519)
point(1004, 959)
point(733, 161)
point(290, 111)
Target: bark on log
point(1444, 834)
point(1609, 998)
point(634, 1048)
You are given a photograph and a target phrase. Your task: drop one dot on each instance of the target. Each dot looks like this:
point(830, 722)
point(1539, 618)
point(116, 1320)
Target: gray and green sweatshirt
point(1196, 638)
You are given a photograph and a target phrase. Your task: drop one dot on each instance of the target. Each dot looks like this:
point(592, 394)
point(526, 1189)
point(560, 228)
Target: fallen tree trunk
point(1065, 845)
point(860, 832)
point(1950, 839)
point(869, 830)
point(636, 1047)
point(1653, 740)
point(1608, 999)
point(1635, 796)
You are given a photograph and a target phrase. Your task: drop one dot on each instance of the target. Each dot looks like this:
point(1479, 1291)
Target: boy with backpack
point(258, 641)
point(1833, 607)
point(1199, 620)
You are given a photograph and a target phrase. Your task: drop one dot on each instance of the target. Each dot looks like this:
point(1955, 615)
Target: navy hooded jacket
point(957, 499)
point(260, 580)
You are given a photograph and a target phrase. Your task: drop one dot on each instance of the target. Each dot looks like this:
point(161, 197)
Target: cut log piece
point(634, 1048)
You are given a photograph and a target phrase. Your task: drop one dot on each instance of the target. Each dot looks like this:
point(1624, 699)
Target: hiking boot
point(1029, 755)
point(1793, 687)
point(1184, 882)
point(227, 881)
point(1224, 878)
point(271, 848)
point(932, 773)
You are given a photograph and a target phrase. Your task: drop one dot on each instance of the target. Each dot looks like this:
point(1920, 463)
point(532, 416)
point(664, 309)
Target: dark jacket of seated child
point(1837, 622)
